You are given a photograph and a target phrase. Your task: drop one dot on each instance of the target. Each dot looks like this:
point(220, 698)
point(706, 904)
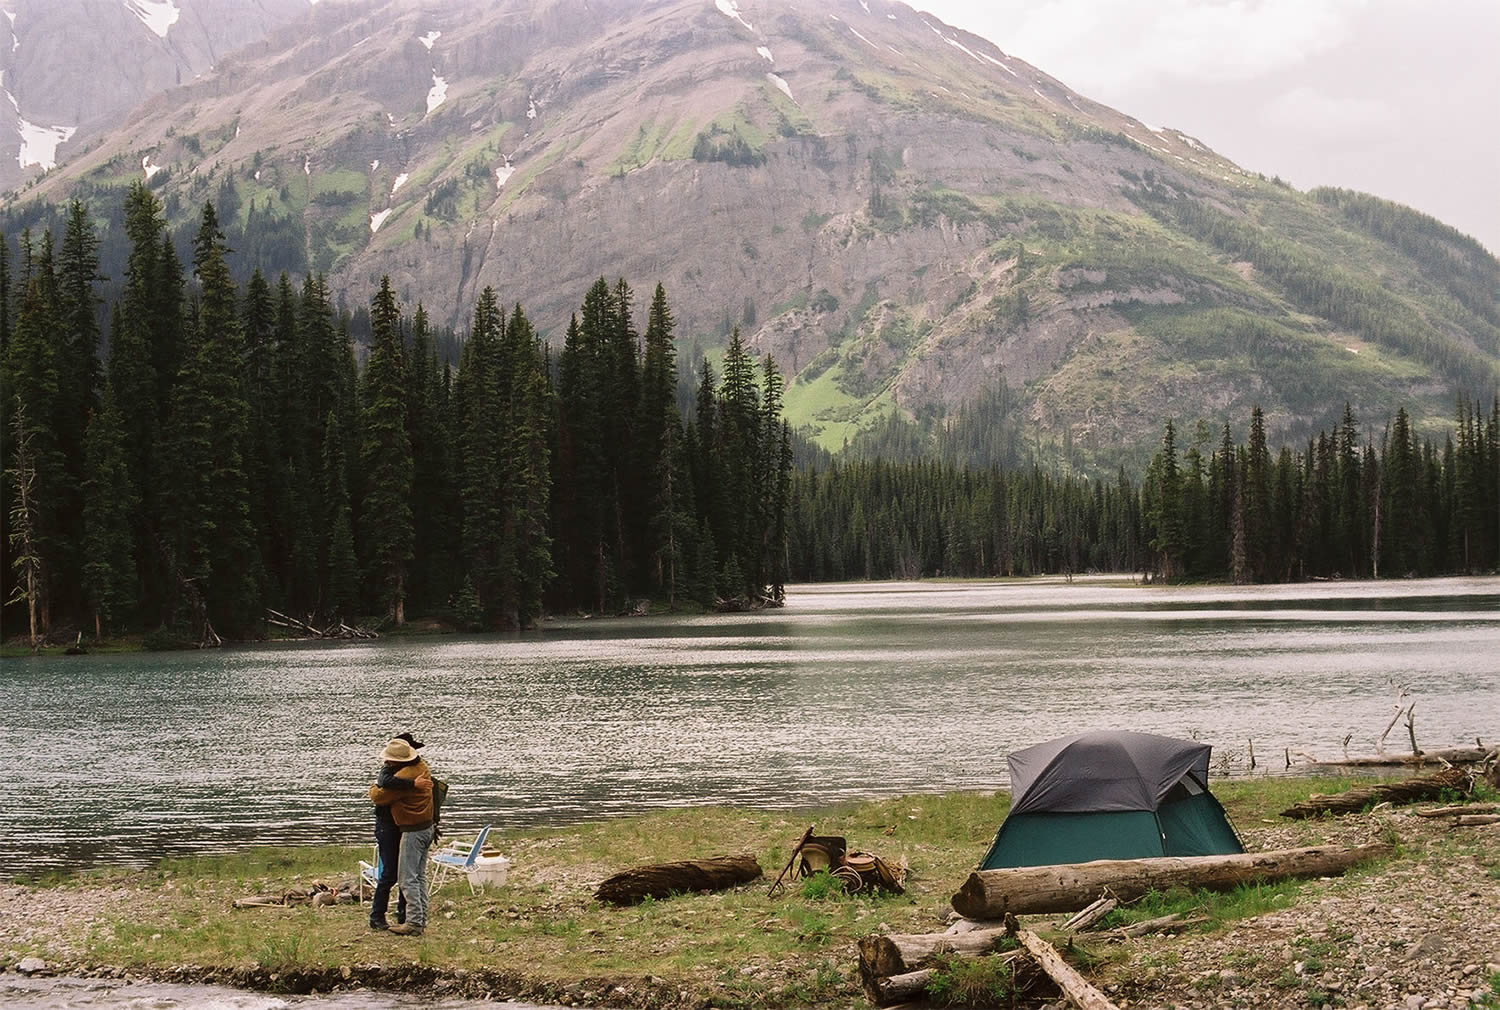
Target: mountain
point(904, 215)
point(72, 68)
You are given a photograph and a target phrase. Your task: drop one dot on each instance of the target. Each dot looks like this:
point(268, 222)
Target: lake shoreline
point(1425, 923)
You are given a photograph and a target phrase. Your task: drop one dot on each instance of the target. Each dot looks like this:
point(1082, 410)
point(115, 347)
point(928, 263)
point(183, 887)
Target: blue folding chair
point(457, 858)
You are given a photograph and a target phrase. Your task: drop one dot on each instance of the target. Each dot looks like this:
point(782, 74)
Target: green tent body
point(1110, 795)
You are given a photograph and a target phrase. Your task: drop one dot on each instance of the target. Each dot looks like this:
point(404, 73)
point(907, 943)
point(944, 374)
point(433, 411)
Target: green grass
point(1214, 908)
point(799, 947)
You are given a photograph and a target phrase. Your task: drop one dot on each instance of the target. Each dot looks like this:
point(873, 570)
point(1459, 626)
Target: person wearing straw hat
point(388, 841)
point(412, 810)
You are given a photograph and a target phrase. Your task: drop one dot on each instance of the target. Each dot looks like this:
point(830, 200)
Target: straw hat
point(398, 751)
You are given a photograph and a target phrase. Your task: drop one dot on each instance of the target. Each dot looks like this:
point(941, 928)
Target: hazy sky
point(1400, 98)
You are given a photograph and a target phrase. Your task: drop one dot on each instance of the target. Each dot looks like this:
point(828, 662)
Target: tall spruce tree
point(109, 574)
point(385, 457)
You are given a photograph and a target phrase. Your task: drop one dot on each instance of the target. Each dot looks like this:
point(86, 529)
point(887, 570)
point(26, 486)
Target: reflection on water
point(852, 690)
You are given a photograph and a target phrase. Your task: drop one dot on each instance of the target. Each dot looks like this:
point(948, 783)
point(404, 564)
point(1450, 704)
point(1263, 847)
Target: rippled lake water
point(852, 690)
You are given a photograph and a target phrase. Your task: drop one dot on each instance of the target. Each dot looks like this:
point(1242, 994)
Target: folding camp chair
point(369, 875)
point(457, 858)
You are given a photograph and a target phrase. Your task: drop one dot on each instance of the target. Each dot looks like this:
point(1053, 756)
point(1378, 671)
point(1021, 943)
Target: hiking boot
point(406, 929)
point(378, 924)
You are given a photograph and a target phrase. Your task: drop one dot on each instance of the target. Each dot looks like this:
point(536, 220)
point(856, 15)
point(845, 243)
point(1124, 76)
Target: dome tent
point(1110, 795)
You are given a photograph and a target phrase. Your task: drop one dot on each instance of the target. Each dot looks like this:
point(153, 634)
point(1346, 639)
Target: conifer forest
point(192, 454)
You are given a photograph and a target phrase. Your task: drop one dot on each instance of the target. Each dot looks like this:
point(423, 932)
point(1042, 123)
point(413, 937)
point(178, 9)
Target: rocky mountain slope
point(899, 211)
point(72, 68)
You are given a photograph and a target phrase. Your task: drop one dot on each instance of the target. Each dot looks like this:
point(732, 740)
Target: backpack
point(439, 796)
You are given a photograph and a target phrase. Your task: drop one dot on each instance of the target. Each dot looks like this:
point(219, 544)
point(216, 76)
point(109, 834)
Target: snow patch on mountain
point(374, 164)
point(400, 181)
point(731, 10)
point(530, 107)
point(437, 94)
point(378, 219)
point(15, 40)
point(150, 169)
point(39, 143)
point(786, 89)
point(766, 53)
point(865, 5)
point(1002, 66)
point(504, 172)
point(863, 39)
point(157, 15)
point(959, 45)
point(428, 39)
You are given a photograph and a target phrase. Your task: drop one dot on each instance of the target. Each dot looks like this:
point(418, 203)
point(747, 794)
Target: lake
point(852, 690)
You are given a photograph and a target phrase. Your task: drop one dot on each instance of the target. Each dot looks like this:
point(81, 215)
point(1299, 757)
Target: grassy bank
point(544, 937)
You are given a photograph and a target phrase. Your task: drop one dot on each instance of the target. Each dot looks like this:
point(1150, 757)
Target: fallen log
point(884, 990)
point(1462, 808)
point(1474, 820)
point(899, 988)
point(1073, 985)
point(1089, 916)
point(1453, 755)
point(1067, 887)
point(962, 925)
point(1164, 924)
point(881, 956)
point(1424, 787)
point(630, 887)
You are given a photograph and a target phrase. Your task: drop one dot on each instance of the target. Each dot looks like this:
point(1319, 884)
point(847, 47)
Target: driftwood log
point(1475, 820)
point(899, 988)
point(1164, 924)
point(1073, 985)
point(1454, 755)
point(1087, 918)
point(659, 880)
point(1424, 787)
point(901, 953)
point(989, 894)
point(1463, 808)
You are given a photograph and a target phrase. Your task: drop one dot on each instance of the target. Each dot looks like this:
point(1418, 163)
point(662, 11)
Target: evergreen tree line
point(229, 454)
point(1342, 507)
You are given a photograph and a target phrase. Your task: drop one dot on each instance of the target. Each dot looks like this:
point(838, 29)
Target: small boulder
point(31, 966)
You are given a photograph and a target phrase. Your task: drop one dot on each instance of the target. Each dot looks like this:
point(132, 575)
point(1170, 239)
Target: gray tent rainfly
point(1110, 795)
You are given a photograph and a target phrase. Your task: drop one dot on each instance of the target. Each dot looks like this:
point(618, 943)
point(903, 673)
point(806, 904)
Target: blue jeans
point(414, 846)
point(388, 838)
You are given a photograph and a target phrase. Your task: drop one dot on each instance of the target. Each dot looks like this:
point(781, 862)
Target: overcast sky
point(1400, 98)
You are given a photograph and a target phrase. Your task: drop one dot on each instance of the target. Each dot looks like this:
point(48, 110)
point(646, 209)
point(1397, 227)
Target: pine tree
point(487, 537)
point(79, 376)
point(33, 386)
point(340, 564)
point(527, 470)
point(212, 541)
point(109, 574)
point(386, 459)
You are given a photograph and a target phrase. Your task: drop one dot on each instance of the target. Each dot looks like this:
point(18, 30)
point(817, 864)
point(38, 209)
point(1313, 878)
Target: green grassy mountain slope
point(900, 212)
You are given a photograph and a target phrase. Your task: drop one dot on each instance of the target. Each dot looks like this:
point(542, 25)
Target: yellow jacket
point(411, 809)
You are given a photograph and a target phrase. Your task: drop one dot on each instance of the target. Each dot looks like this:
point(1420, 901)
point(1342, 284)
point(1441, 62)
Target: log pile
point(1423, 787)
point(1067, 887)
point(899, 968)
point(660, 880)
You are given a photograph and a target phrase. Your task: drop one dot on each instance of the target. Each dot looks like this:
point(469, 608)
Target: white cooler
point(489, 871)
